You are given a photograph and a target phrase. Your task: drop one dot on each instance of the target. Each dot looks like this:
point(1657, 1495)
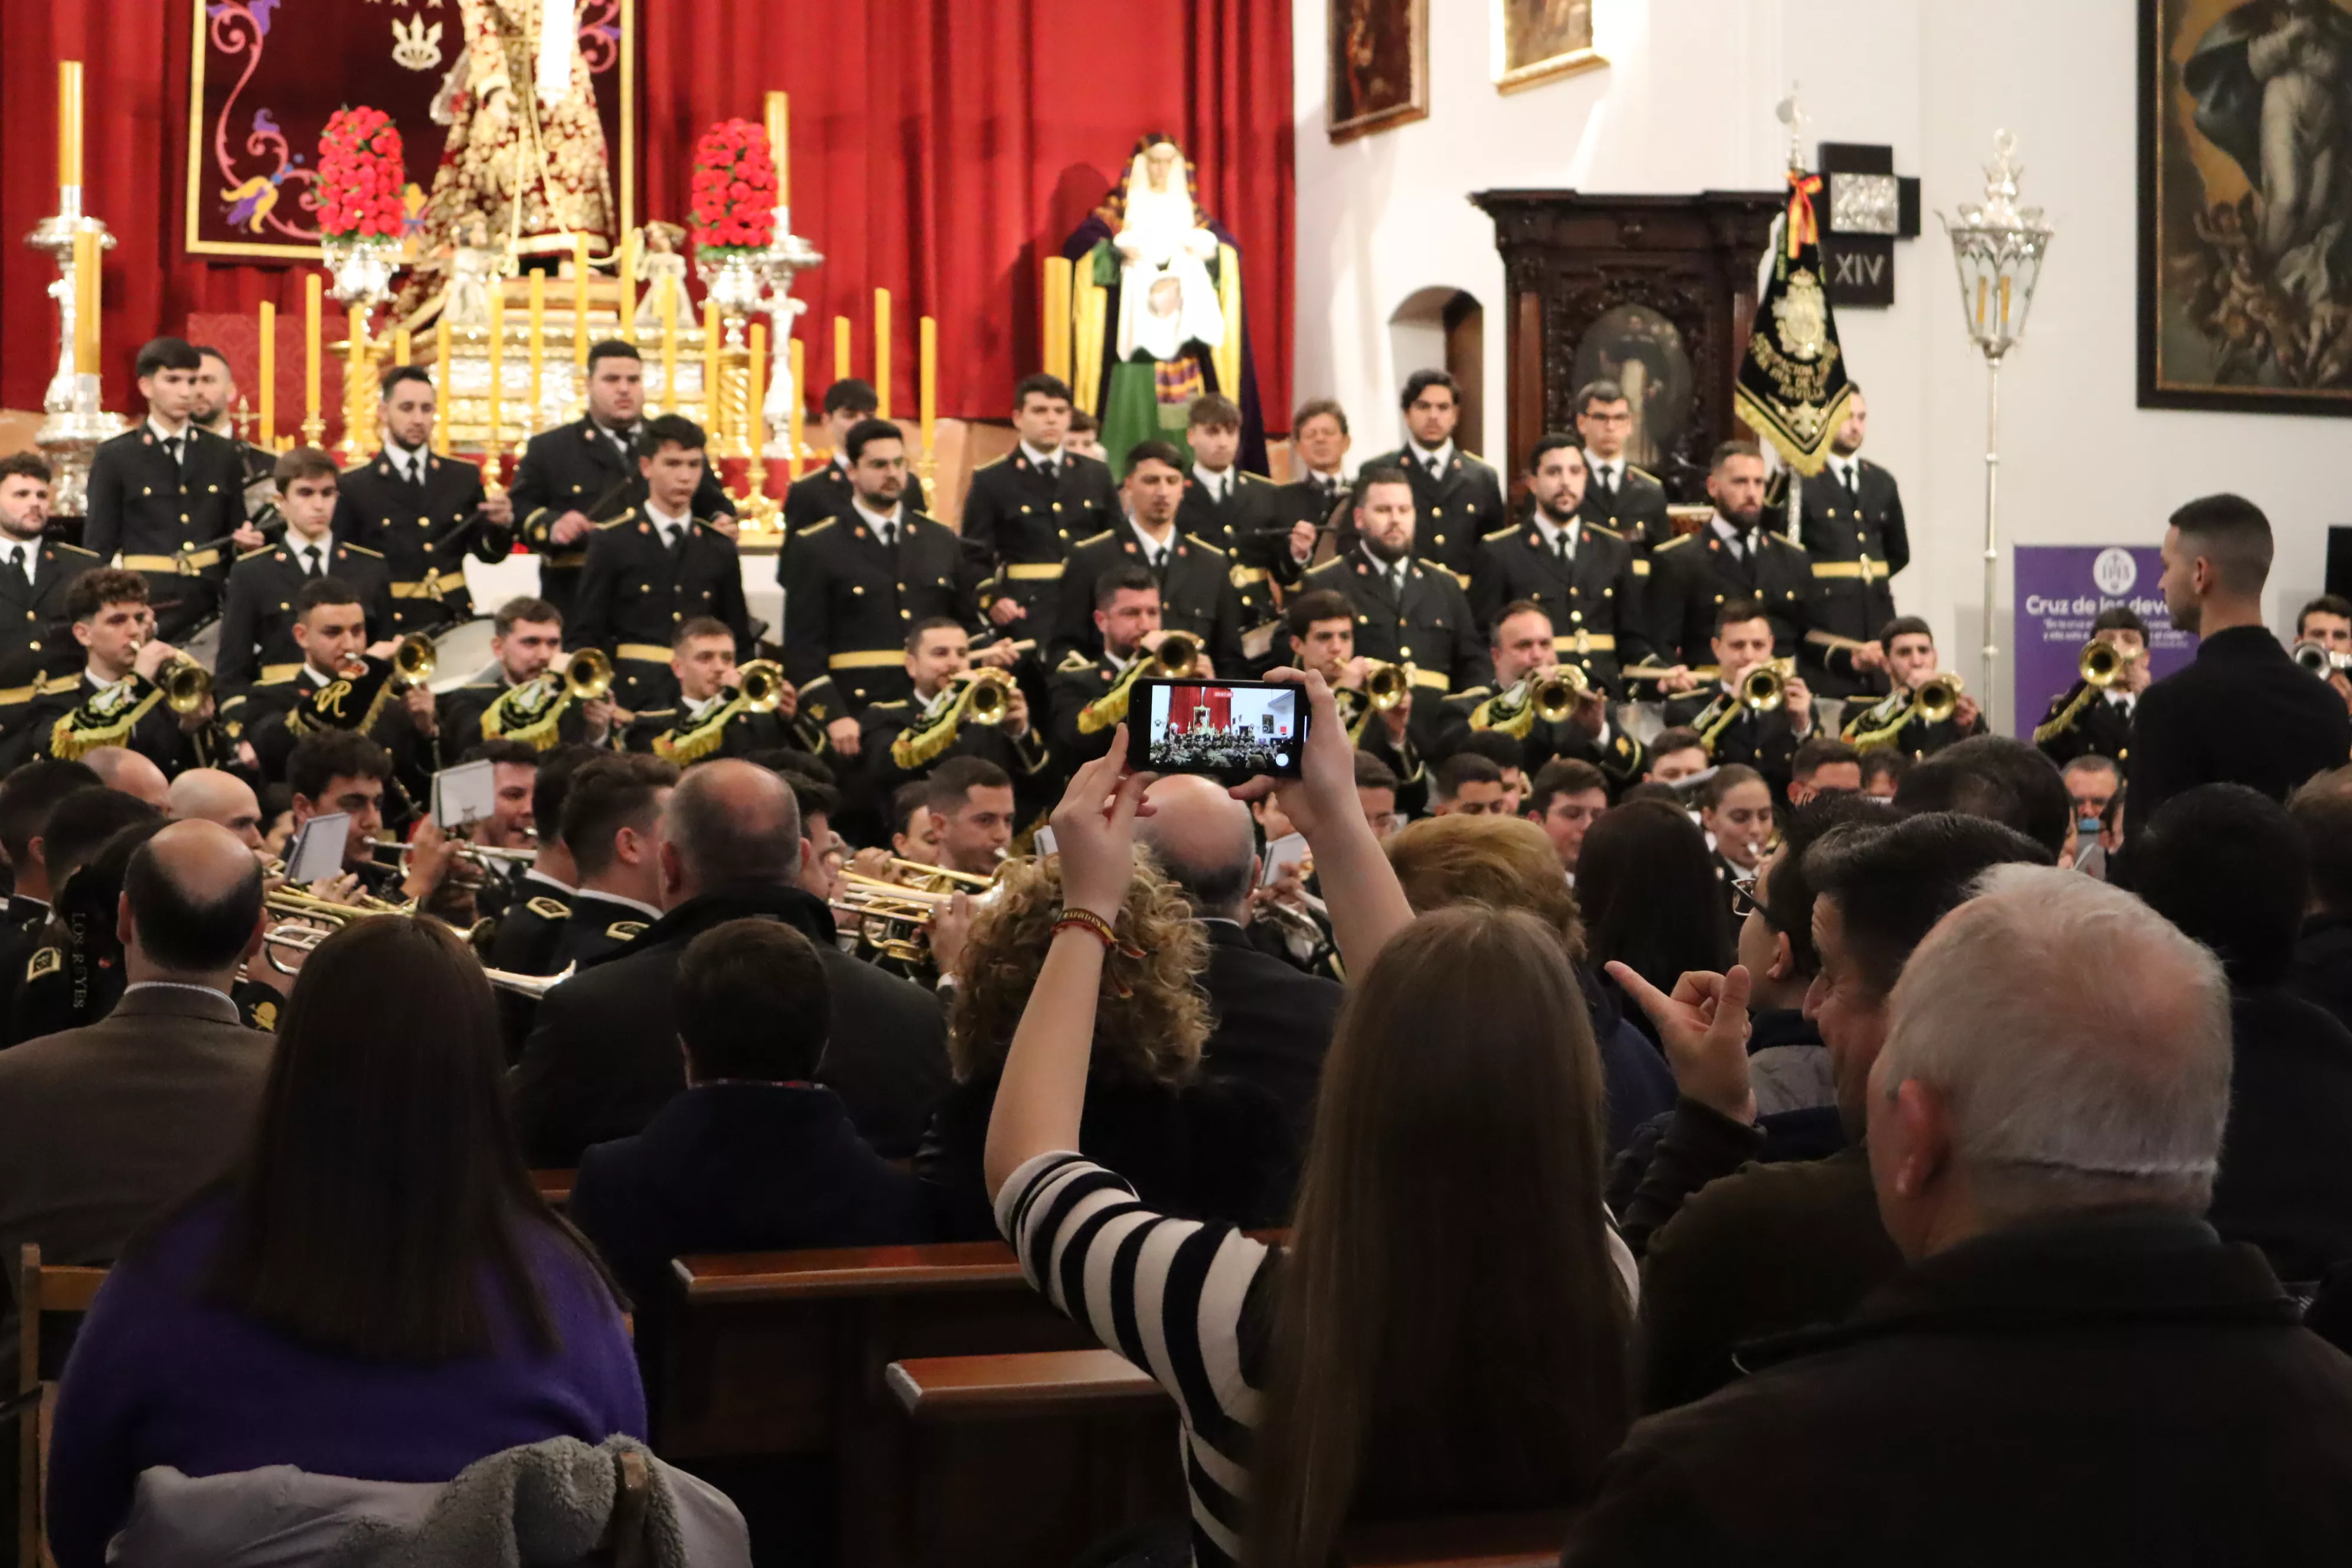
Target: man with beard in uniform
point(1735, 556)
point(1456, 496)
point(569, 475)
point(215, 410)
point(1617, 495)
point(1196, 588)
point(1524, 650)
point(1089, 692)
point(611, 814)
point(1025, 511)
point(169, 494)
point(523, 691)
point(422, 513)
point(1851, 526)
point(34, 576)
point(1584, 575)
point(854, 586)
point(905, 740)
point(825, 492)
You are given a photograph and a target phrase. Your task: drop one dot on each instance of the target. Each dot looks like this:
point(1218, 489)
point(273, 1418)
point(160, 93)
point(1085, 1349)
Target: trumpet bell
point(2101, 664)
point(1764, 688)
point(1556, 694)
point(186, 684)
point(2320, 659)
point(589, 673)
point(1177, 655)
point(760, 684)
point(990, 695)
point(1940, 699)
point(414, 661)
point(1387, 685)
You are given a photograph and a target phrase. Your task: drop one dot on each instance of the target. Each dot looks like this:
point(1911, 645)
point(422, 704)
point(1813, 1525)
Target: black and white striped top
point(1188, 1302)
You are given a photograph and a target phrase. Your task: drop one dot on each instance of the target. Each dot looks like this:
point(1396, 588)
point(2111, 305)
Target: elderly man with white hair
point(2071, 1367)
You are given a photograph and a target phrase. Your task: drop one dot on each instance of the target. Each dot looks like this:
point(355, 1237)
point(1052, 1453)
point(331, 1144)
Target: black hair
point(167, 354)
point(1421, 381)
point(181, 932)
point(1731, 612)
point(1885, 761)
point(1154, 450)
point(1372, 474)
point(1726, 777)
point(2325, 604)
point(1892, 881)
point(1300, 615)
point(2231, 533)
point(816, 797)
point(610, 348)
point(904, 801)
point(1728, 450)
point(851, 395)
point(699, 626)
point(522, 608)
point(303, 463)
point(1040, 385)
point(2324, 816)
point(1516, 607)
point(1506, 752)
point(552, 784)
point(1128, 576)
point(671, 430)
point(613, 792)
point(1552, 441)
point(1319, 407)
point(1906, 627)
point(321, 591)
point(513, 753)
point(400, 372)
point(80, 824)
point(1665, 742)
point(752, 1003)
point(1820, 751)
point(866, 431)
point(1213, 411)
point(1645, 882)
point(952, 782)
point(2231, 867)
point(2120, 618)
point(1465, 767)
point(1788, 904)
point(1373, 774)
point(329, 754)
point(94, 590)
point(1598, 391)
point(932, 624)
point(25, 464)
point(1999, 778)
point(30, 794)
point(1560, 777)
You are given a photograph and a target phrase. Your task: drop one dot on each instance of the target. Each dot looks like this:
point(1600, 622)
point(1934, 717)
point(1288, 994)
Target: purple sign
point(2059, 590)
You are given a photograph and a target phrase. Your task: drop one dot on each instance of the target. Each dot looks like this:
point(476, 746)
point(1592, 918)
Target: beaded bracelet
point(1089, 921)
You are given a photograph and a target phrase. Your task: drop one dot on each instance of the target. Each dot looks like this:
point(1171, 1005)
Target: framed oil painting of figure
point(2245, 209)
point(1535, 40)
point(1379, 65)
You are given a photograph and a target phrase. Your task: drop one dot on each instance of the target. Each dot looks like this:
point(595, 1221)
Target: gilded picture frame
point(1537, 41)
point(1378, 57)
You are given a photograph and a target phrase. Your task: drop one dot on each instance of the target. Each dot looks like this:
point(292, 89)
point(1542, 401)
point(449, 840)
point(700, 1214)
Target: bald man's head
point(1201, 837)
point(122, 769)
point(224, 800)
point(191, 905)
point(730, 824)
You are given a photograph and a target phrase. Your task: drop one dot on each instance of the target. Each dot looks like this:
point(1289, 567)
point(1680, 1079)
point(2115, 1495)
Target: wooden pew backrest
point(56, 1291)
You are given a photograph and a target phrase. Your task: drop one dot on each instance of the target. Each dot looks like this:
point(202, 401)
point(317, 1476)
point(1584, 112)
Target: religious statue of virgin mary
point(1156, 321)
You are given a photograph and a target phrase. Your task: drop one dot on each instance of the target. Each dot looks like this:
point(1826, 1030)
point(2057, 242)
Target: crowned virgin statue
point(1157, 319)
point(525, 152)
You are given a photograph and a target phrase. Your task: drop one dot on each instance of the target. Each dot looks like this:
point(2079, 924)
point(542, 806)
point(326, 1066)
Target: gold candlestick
point(314, 420)
point(400, 346)
point(882, 353)
point(444, 386)
point(669, 350)
point(538, 349)
point(69, 124)
point(714, 377)
point(629, 287)
point(840, 348)
point(580, 310)
point(758, 507)
point(927, 385)
point(779, 120)
point(490, 476)
point(356, 411)
point(85, 254)
point(268, 376)
point(798, 353)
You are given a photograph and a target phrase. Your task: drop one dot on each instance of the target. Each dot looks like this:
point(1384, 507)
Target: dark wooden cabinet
point(1657, 290)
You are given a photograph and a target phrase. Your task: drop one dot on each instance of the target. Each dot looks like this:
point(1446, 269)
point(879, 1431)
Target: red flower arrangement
point(734, 188)
point(362, 180)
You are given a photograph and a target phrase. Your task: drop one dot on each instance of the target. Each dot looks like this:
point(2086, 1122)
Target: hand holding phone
point(1232, 730)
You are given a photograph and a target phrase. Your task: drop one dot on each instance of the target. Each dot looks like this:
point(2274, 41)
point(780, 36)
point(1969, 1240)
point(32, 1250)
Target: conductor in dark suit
point(104, 1126)
point(568, 473)
point(2242, 711)
point(165, 487)
point(1271, 1022)
point(422, 513)
point(1456, 495)
point(605, 1059)
point(824, 493)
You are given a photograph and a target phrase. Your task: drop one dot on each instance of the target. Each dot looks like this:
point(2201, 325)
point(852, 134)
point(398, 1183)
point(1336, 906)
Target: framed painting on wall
point(2245, 205)
point(1535, 40)
point(1379, 65)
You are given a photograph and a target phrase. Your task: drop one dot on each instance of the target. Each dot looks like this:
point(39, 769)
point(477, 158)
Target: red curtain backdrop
point(939, 148)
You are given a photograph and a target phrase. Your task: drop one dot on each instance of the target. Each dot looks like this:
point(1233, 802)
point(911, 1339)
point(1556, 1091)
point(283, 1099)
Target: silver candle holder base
point(75, 418)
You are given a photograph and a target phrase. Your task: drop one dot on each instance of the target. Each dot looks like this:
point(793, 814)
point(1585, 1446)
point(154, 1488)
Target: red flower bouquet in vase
point(362, 209)
point(734, 190)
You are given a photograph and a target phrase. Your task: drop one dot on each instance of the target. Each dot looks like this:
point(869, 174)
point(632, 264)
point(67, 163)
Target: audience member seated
point(1883, 769)
point(2227, 866)
point(376, 1290)
point(1645, 882)
point(1772, 1248)
point(2323, 949)
point(102, 1128)
point(1509, 865)
point(208, 794)
point(1467, 784)
point(1567, 798)
point(1674, 755)
point(2070, 1368)
point(755, 1155)
point(132, 772)
point(1823, 763)
point(604, 1057)
point(1447, 1334)
point(1998, 778)
point(1200, 1145)
point(1269, 1025)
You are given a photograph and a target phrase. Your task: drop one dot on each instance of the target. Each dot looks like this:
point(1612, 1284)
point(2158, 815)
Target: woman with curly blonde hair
point(1205, 1147)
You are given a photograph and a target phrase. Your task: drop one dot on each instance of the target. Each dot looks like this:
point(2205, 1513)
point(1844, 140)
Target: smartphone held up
point(1227, 729)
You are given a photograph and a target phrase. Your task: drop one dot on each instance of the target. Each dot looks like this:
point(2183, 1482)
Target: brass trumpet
point(413, 661)
point(987, 697)
point(1937, 698)
point(1387, 685)
point(1766, 686)
point(589, 674)
point(186, 684)
point(1177, 656)
point(2320, 659)
point(761, 686)
point(1557, 692)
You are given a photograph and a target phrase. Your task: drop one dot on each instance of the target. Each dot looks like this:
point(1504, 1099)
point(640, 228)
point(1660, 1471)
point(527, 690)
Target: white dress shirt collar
point(1441, 456)
point(638, 904)
point(164, 433)
point(1612, 470)
point(1219, 485)
point(1151, 546)
point(533, 873)
point(1573, 531)
point(1043, 459)
point(1733, 537)
point(891, 520)
point(670, 526)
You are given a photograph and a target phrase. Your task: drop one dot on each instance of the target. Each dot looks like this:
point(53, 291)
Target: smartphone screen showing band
point(1232, 729)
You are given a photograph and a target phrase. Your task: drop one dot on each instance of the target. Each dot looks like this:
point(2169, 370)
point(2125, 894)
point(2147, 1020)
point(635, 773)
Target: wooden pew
point(53, 1292)
point(1019, 1459)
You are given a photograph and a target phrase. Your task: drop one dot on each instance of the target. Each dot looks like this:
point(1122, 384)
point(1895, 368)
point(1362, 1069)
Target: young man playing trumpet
point(1911, 717)
point(527, 694)
point(123, 695)
point(258, 623)
point(2080, 722)
point(953, 712)
point(339, 681)
point(712, 717)
point(1529, 679)
point(1763, 734)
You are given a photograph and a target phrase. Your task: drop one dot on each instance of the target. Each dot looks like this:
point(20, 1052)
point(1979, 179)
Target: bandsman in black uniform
point(168, 496)
point(1852, 528)
point(1026, 511)
point(653, 568)
point(712, 716)
point(1524, 649)
point(525, 695)
point(571, 476)
point(822, 493)
point(1897, 719)
point(117, 698)
point(1728, 728)
point(906, 738)
point(258, 620)
point(36, 574)
point(1735, 556)
point(611, 813)
point(1197, 595)
point(532, 922)
point(1089, 692)
point(1588, 578)
point(854, 587)
point(1319, 634)
point(215, 410)
point(337, 680)
point(1408, 611)
point(2086, 720)
point(1235, 511)
point(1318, 449)
point(423, 513)
point(343, 771)
point(1457, 497)
point(1618, 495)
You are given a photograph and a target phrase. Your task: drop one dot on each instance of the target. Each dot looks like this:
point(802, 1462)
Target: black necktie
point(177, 446)
point(310, 567)
point(1564, 547)
point(1606, 490)
point(1849, 475)
point(17, 581)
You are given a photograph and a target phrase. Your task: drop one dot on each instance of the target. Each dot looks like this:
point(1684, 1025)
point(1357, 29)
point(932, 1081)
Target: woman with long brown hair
point(1447, 1333)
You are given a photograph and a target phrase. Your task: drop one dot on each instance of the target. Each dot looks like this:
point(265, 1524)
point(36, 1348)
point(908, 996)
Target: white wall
point(1686, 105)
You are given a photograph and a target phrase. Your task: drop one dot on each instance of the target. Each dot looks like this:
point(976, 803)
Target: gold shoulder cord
point(83, 730)
point(1896, 705)
point(1110, 711)
point(535, 728)
point(1711, 724)
point(691, 744)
